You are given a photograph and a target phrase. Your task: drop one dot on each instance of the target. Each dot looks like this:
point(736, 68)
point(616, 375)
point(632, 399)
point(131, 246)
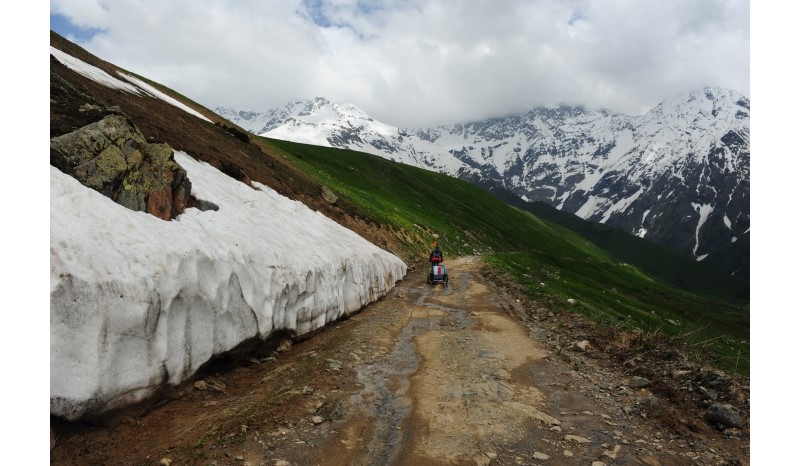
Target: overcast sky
point(421, 62)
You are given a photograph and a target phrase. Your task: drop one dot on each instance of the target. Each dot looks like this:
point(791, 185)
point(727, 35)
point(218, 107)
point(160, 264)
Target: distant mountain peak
point(314, 105)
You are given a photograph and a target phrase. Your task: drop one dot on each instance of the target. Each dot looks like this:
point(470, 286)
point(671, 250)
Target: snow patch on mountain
point(134, 86)
point(170, 100)
point(704, 211)
point(92, 72)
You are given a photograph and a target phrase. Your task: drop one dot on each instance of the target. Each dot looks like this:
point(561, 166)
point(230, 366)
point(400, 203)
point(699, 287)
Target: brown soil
point(467, 374)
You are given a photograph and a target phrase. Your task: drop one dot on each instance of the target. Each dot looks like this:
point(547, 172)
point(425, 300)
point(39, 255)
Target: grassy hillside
point(552, 263)
point(670, 266)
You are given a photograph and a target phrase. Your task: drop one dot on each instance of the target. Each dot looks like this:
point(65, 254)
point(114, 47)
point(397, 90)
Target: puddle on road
point(387, 382)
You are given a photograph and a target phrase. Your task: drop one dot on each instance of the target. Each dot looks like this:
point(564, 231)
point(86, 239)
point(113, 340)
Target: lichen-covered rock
point(112, 157)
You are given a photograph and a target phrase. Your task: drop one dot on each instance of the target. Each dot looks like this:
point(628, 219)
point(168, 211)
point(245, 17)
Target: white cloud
point(419, 62)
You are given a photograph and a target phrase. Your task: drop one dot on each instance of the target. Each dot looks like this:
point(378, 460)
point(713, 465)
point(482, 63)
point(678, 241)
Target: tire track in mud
point(446, 388)
point(388, 382)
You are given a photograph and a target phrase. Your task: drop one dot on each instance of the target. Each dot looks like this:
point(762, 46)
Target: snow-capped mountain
point(678, 175)
point(323, 123)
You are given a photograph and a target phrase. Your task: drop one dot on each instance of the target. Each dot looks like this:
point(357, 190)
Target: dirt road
point(430, 375)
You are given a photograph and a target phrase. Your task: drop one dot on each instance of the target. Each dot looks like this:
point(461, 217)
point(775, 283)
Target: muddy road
point(430, 375)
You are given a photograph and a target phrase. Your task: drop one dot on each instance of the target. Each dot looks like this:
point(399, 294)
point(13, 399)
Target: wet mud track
point(445, 391)
point(459, 379)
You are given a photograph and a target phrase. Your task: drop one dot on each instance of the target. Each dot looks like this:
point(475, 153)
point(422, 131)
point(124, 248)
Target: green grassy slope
point(676, 269)
point(552, 263)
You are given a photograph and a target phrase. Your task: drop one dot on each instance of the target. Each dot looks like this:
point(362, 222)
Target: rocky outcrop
point(112, 157)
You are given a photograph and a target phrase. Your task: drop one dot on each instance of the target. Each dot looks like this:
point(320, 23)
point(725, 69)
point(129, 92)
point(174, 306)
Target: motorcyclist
point(436, 256)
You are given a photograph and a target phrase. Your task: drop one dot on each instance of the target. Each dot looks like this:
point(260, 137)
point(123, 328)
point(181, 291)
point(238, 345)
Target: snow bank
point(137, 303)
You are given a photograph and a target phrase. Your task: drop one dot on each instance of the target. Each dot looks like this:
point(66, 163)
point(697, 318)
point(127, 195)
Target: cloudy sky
point(421, 62)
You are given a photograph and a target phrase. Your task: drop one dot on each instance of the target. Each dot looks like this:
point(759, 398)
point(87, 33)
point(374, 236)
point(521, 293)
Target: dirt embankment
point(429, 375)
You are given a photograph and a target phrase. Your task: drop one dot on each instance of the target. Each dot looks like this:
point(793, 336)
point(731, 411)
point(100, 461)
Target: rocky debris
point(284, 346)
point(218, 386)
point(236, 172)
point(628, 409)
point(165, 461)
point(724, 414)
point(679, 392)
point(679, 373)
point(576, 439)
point(213, 385)
point(112, 157)
point(613, 452)
point(329, 196)
point(317, 420)
point(583, 345)
point(540, 456)
point(638, 382)
point(241, 135)
point(649, 460)
point(571, 301)
point(333, 365)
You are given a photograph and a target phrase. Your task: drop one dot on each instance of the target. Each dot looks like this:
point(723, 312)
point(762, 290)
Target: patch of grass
point(713, 330)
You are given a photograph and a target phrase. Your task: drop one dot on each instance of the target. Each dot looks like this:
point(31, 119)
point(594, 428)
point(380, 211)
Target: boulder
point(725, 414)
point(112, 157)
point(638, 382)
